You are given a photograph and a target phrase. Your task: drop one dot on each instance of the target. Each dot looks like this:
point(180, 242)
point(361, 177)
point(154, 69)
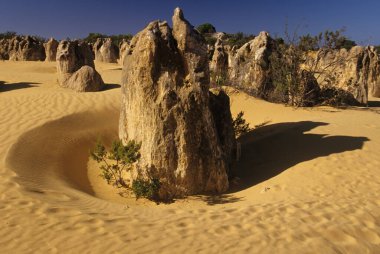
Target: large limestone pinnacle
point(166, 105)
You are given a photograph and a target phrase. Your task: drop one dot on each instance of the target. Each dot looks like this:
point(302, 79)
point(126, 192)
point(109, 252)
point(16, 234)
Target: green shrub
point(206, 28)
point(119, 160)
point(240, 125)
point(146, 188)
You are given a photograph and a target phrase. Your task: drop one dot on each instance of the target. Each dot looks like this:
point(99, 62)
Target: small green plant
point(240, 125)
point(146, 188)
point(119, 160)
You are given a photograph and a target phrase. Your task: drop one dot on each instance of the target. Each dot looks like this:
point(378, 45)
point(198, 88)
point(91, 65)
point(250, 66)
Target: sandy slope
point(308, 180)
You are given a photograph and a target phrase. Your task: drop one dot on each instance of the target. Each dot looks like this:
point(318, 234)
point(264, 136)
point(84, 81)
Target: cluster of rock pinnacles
point(185, 130)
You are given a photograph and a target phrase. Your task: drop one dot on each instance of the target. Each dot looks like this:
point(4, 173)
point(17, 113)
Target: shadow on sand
point(272, 149)
point(110, 86)
point(5, 87)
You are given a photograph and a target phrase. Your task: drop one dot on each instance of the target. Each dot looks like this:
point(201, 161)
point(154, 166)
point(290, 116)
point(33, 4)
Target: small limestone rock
point(75, 67)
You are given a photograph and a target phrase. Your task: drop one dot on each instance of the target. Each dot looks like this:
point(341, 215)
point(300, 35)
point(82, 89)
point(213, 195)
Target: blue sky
point(76, 18)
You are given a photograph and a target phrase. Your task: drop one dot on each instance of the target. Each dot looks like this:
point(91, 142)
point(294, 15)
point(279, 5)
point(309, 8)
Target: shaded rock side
point(105, 50)
point(75, 67)
point(166, 106)
point(51, 50)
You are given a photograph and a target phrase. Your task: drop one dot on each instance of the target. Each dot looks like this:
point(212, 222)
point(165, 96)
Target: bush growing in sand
point(119, 160)
point(240, 125)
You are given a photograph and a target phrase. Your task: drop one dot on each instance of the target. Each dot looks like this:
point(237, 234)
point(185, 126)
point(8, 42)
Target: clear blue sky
point(76, 18)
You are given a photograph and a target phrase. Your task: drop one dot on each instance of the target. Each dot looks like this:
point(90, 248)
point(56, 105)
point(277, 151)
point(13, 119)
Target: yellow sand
point(308, 180)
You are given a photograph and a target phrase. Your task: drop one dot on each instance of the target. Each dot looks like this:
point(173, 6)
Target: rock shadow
point(219, 199)
point(272, 149)
point(110, 86)
point(5, 87)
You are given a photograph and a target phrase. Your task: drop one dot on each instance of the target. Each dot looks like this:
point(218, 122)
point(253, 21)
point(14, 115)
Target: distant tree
point(8, 35)
point(116, 39)
point(206, 28)
point(239, 39)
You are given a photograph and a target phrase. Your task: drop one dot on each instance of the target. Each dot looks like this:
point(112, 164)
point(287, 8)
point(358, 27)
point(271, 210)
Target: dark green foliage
point(210, 40)
point(116, 161)
point(116, 39)
point(240, 125)
point(146, 188)
point(206, 28)
point(239, 39)
point(8, 35)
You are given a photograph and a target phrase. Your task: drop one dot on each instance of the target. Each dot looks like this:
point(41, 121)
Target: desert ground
point(308, 180)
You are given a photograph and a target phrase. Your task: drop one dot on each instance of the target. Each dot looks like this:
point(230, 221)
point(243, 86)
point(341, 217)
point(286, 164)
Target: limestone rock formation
point(219, 63)
point(51, 50)
point(355, 71)
point(249, 67)
point(75, 67)
point(374, 72)
point(123, 48)
point(26, 48)
point(105, 51)
point(185, 131)
point(4, 49)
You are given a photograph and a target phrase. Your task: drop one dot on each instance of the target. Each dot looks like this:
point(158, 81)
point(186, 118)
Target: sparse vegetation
point(293, 68)
point(238, 39)
point(119, 160)
point(206, 28)
point(240, 125)
point(116, 39)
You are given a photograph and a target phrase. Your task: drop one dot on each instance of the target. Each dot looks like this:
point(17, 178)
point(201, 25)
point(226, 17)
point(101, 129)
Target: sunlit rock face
point(25, 48)
point(249, 65)
point(185, 131)
point(105, 51)
point(75, 67)
point(51, 50)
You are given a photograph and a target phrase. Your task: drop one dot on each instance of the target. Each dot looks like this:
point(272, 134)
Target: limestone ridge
point(75, 67)
point(167, 106)
point(22, 48)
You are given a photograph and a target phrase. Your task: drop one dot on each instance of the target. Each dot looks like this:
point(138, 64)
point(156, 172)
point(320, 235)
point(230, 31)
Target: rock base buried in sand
point(76, 69)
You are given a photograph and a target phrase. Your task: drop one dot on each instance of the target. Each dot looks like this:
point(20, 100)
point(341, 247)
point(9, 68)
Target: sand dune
point(308, 180)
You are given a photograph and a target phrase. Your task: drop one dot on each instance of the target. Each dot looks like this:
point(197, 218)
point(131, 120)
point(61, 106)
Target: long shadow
point(373, 104)
point(272, 149)
point(5, 87)
point(110, 86)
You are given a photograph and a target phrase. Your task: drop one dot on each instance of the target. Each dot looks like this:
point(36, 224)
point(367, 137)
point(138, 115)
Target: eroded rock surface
point(23, 48)
point(166, 105)
point(105, 51)
point(75, 67)
point(51, 50)
point(249, 67)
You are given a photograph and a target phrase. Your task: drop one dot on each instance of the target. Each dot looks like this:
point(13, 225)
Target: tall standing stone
point(166, 106)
